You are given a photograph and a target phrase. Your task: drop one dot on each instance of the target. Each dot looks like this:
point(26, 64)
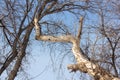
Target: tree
point(19, 19)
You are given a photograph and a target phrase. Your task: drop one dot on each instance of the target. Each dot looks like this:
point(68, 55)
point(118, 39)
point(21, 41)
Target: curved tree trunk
point(83, 64)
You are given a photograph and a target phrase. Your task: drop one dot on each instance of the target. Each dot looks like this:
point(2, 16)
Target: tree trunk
point(83, 64)
point(21, 54)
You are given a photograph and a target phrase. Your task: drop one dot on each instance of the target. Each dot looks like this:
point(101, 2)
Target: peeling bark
point(83, 64)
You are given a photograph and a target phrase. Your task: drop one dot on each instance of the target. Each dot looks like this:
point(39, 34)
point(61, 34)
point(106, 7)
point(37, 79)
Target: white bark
point(82, 64)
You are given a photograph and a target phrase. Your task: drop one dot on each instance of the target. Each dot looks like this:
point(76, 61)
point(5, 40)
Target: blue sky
point(41, 66)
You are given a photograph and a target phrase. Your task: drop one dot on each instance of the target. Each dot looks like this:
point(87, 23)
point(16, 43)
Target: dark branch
point(80, 28)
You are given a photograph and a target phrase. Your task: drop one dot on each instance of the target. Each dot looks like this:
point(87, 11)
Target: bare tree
point(19, 18)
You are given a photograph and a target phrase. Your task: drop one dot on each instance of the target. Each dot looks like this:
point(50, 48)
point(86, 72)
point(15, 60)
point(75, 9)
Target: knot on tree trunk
point(77, 67)
point(37, 37)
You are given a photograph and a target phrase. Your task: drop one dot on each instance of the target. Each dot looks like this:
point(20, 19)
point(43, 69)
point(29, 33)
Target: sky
point(40, 65)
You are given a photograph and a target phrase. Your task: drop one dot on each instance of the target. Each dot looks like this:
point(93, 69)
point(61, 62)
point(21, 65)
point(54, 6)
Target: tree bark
point(21, 54)
point(83, 64)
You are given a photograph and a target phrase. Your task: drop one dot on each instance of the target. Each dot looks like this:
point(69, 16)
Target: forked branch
point(82, 64)
point(39, 36)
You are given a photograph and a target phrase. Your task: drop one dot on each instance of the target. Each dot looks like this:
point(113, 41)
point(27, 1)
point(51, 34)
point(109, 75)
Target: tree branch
point(83, 64)
point(80, 28)
point(21, 54)
point(37, 26)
